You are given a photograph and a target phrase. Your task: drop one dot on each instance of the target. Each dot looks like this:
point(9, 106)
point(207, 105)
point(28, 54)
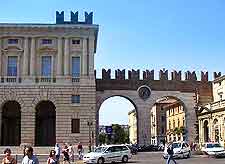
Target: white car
point(180, 150)
point(108, 153)
point(214, 149)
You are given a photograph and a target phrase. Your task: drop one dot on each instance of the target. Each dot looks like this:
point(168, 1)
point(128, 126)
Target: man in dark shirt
point(170, 154)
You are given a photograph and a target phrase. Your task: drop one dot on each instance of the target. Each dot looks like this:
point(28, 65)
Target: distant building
point(158, 123)
point(211, 118)
point(132, 126)
point(175, 117)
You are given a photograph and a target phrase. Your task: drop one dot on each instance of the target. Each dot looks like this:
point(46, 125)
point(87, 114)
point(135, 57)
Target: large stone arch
point(141, 107)
point(187, 101)
point(40, 98)
point(45, 123)
point(10, 123)
point(10, 96)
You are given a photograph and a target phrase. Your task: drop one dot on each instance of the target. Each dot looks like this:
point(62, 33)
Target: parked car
point(180, 149)
point(133, 149)
point(213, 149)
point(147, 148)
point(108, 153)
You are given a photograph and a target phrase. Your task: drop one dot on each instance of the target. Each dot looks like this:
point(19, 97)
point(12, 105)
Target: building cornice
point(37, 25)
point(219, 79)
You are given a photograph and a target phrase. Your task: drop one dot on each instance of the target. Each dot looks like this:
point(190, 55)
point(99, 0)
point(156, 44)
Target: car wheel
point(100, 160)
point(125, 159)
point(189, 154)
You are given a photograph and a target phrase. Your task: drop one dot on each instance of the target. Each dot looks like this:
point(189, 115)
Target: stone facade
point(28, 43)
point(189, 92)
point(211, 117)
point(158, 122)
point(132, 122)
point(175, 118)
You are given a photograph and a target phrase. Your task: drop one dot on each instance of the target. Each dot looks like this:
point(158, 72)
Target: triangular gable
point(204, 110)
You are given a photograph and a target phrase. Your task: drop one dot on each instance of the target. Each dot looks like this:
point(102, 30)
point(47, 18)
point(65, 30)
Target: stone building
point(158, 124)
point(47, 86)
point(175, 117)
point(49, 92)
point(211, 117)
point(132, 123)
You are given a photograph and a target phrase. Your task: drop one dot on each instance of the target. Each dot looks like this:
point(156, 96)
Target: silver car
point(180, 150)
point(108, 153)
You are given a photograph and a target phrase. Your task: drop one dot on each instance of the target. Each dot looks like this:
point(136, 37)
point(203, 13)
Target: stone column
point(32, 58)
point(59, 60)
point(200, 126)
point(28, 130)
point(1, 63)
point(84, 57)
point(25, 58)
point(190, 119)
point(210, 129)
point(0, 124)
point(66, 57)
point(143, 124)
point(91, 56)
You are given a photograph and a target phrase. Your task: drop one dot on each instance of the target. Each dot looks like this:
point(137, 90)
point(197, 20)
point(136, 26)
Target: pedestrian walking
point(170, 154)
point(30, 158)
point(52, 158)
point(66, 157)
point(57, 152)
point(80, 151)
point(71, 153)
point(8, 159)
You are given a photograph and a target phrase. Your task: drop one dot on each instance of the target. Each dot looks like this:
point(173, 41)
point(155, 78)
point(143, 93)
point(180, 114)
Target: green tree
point(102, 137)
point(119, 135)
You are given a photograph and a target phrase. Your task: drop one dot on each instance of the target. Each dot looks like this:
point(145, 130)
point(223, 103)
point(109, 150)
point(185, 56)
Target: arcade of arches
point(143, 108)
point(45, 124)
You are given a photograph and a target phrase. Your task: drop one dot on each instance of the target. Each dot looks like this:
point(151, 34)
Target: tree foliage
point(102, 137)
point(120, 136)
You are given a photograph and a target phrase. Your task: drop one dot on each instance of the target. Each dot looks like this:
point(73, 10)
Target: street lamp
point(89, 123)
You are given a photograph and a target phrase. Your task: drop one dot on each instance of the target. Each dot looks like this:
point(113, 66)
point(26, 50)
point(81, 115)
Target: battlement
point(74, 18)
point(163, 75)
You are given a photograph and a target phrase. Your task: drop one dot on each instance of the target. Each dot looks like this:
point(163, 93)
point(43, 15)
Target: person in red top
point(80, 150)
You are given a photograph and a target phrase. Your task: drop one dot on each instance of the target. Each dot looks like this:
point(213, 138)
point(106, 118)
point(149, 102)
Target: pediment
point(204, 110)
point(12, 48)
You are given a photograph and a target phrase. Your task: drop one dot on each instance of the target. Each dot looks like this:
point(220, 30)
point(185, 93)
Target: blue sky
point(141, 34)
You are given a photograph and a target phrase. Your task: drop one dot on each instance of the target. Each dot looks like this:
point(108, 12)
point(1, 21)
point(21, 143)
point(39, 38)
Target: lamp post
point(89, 123)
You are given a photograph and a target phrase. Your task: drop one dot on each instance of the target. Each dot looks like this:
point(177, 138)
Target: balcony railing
point(38, 79)
point(11, 79)
point(45, 79)
point(75, 79)
point(218, 104)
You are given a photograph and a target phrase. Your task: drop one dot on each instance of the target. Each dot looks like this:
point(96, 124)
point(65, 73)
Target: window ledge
point(74, 104)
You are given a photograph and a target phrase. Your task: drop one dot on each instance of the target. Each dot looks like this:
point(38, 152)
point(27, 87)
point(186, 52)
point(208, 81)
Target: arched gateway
point(144, 93)
point(45, 124)
point(10, 127)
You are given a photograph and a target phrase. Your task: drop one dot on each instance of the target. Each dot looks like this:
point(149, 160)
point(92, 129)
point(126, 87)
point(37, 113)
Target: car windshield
point(213, 145)
point(176, 145)
point(100, 149)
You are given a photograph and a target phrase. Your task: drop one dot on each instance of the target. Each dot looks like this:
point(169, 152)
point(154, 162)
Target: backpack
point(170, 150)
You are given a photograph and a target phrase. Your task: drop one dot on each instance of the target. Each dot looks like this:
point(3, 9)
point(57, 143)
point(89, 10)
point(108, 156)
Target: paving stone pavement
point(143, 158)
